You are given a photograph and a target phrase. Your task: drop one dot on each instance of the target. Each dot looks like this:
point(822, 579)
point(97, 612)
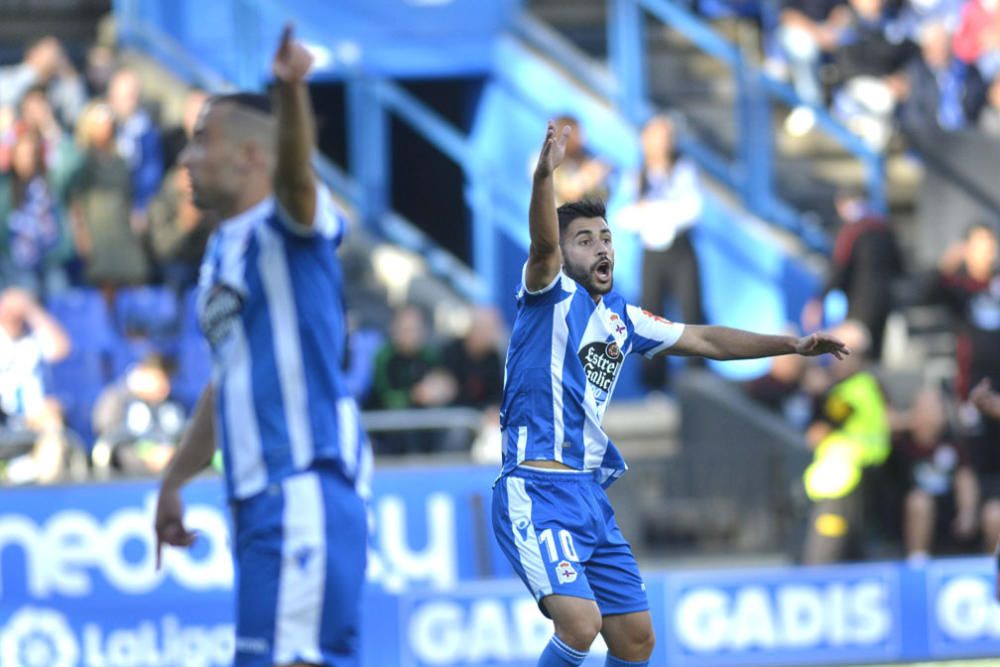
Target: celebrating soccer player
point(550, 512)
point(296, 460)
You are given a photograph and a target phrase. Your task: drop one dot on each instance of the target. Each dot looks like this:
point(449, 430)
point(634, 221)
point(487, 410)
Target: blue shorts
point(558, 530)
point(301, 547)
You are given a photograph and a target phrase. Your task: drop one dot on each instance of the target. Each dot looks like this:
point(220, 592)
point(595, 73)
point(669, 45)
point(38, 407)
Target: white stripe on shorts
point(530, 554)
point(303, 572)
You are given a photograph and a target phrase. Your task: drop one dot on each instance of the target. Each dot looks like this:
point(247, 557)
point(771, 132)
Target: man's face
point(213, 160)
point(588, 254)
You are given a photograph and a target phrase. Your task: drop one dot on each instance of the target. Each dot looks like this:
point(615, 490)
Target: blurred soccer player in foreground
point(297, 463)
point(550, 512)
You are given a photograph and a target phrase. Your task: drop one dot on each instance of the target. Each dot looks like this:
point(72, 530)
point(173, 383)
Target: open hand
point(553, 150)
point(292, 61)
point(821, 343)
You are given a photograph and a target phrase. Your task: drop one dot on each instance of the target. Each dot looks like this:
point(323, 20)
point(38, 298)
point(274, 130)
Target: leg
point(542, 524)
point(803, 57)
point(621, 595)
point(828, 531)
point(686, 279)
point(577, 620)
point(918, 522)
point(991, 524)
point(629, 637)
point(654, 294)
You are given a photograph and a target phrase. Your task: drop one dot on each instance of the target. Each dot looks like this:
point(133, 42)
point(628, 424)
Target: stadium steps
point(809, 170)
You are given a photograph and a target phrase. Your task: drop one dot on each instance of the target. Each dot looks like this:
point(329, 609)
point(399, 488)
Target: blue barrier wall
point(78, 587)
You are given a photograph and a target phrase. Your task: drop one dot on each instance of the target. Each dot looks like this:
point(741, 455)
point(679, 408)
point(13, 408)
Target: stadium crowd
point(101, 360)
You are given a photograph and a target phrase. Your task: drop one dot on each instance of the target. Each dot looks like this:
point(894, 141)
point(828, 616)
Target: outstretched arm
point(724, 343)
point(544, 257)
point(294, 181)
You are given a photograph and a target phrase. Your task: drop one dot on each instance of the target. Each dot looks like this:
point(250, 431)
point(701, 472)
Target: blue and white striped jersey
point(564, 359)
point(271, 307)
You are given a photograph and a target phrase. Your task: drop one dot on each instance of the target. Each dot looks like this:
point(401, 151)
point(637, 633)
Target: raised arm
point(544, 257)
point(724, 343)
point(294, 181)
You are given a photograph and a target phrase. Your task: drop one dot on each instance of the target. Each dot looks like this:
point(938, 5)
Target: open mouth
point(603, 270)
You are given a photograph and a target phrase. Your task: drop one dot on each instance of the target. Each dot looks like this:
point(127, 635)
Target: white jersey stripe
point(519, 510)
point(522, 442)
point(249, 473)
point(303, 572)
point(277, 283)
point(560, 336)
point(347, 425)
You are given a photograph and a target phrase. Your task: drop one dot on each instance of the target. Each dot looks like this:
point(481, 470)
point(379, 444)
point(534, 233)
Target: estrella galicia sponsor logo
point(601, 361)
point(37, 637)
point(219, 314)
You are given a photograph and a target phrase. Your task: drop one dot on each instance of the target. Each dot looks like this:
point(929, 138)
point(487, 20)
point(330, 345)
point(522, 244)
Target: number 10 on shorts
point(547, 538)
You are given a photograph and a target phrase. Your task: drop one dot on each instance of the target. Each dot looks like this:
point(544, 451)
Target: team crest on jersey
point(219, 314)
point(565, 572)
point(601, 361)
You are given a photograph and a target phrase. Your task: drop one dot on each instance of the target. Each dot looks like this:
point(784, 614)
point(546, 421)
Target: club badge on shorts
point(565, 572)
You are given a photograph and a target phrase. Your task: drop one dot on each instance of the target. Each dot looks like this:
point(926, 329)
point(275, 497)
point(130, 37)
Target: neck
point(245, 201)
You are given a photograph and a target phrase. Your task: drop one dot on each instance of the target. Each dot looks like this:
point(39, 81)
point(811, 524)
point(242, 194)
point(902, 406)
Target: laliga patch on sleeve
point(565, 572)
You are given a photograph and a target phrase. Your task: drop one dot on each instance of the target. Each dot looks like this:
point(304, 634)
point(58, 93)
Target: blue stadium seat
point(148, 310)
point(77, 381)
point(194, 368)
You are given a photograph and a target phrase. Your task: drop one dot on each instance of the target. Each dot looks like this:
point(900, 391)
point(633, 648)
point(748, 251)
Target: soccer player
point(297, 462)
point(550, 512)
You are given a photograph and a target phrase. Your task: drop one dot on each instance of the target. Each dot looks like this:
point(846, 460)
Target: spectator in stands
point(989, 116)
point(941, 93)
point(100, 204)
point(30, 219)
point(475, 361)
point(176, 138)
point(45, 64)
point(808, 29)
point(29, 339)
point(969, 285)
point(586, 177)
point(137, 423)
point(868, 62)
point(942, 499)
point(789, 388)
point(61, 154)
point(977, 39)
point(866, 263)
point(476, 364)
point(987, 401)
point(408, 374)
point(99, 69)
point(670, 205)
point(137, 138)
point(850, 439)
point(177, 230)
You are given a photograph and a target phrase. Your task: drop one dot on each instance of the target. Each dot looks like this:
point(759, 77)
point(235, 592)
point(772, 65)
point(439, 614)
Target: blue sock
point(559, 654)
point(612, 661)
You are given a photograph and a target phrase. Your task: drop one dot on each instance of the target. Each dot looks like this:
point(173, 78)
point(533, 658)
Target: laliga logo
point(38, 638)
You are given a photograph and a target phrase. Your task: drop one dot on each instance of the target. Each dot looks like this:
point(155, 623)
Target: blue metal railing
point(752, 175)
point(366, 187)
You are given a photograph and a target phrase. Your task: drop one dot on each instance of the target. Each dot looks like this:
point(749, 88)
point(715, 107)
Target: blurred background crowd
point(101, 360)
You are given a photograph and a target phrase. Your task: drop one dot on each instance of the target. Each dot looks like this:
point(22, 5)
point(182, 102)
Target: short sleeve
point(650, 334)
point(560, 287)
point(329, 221)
